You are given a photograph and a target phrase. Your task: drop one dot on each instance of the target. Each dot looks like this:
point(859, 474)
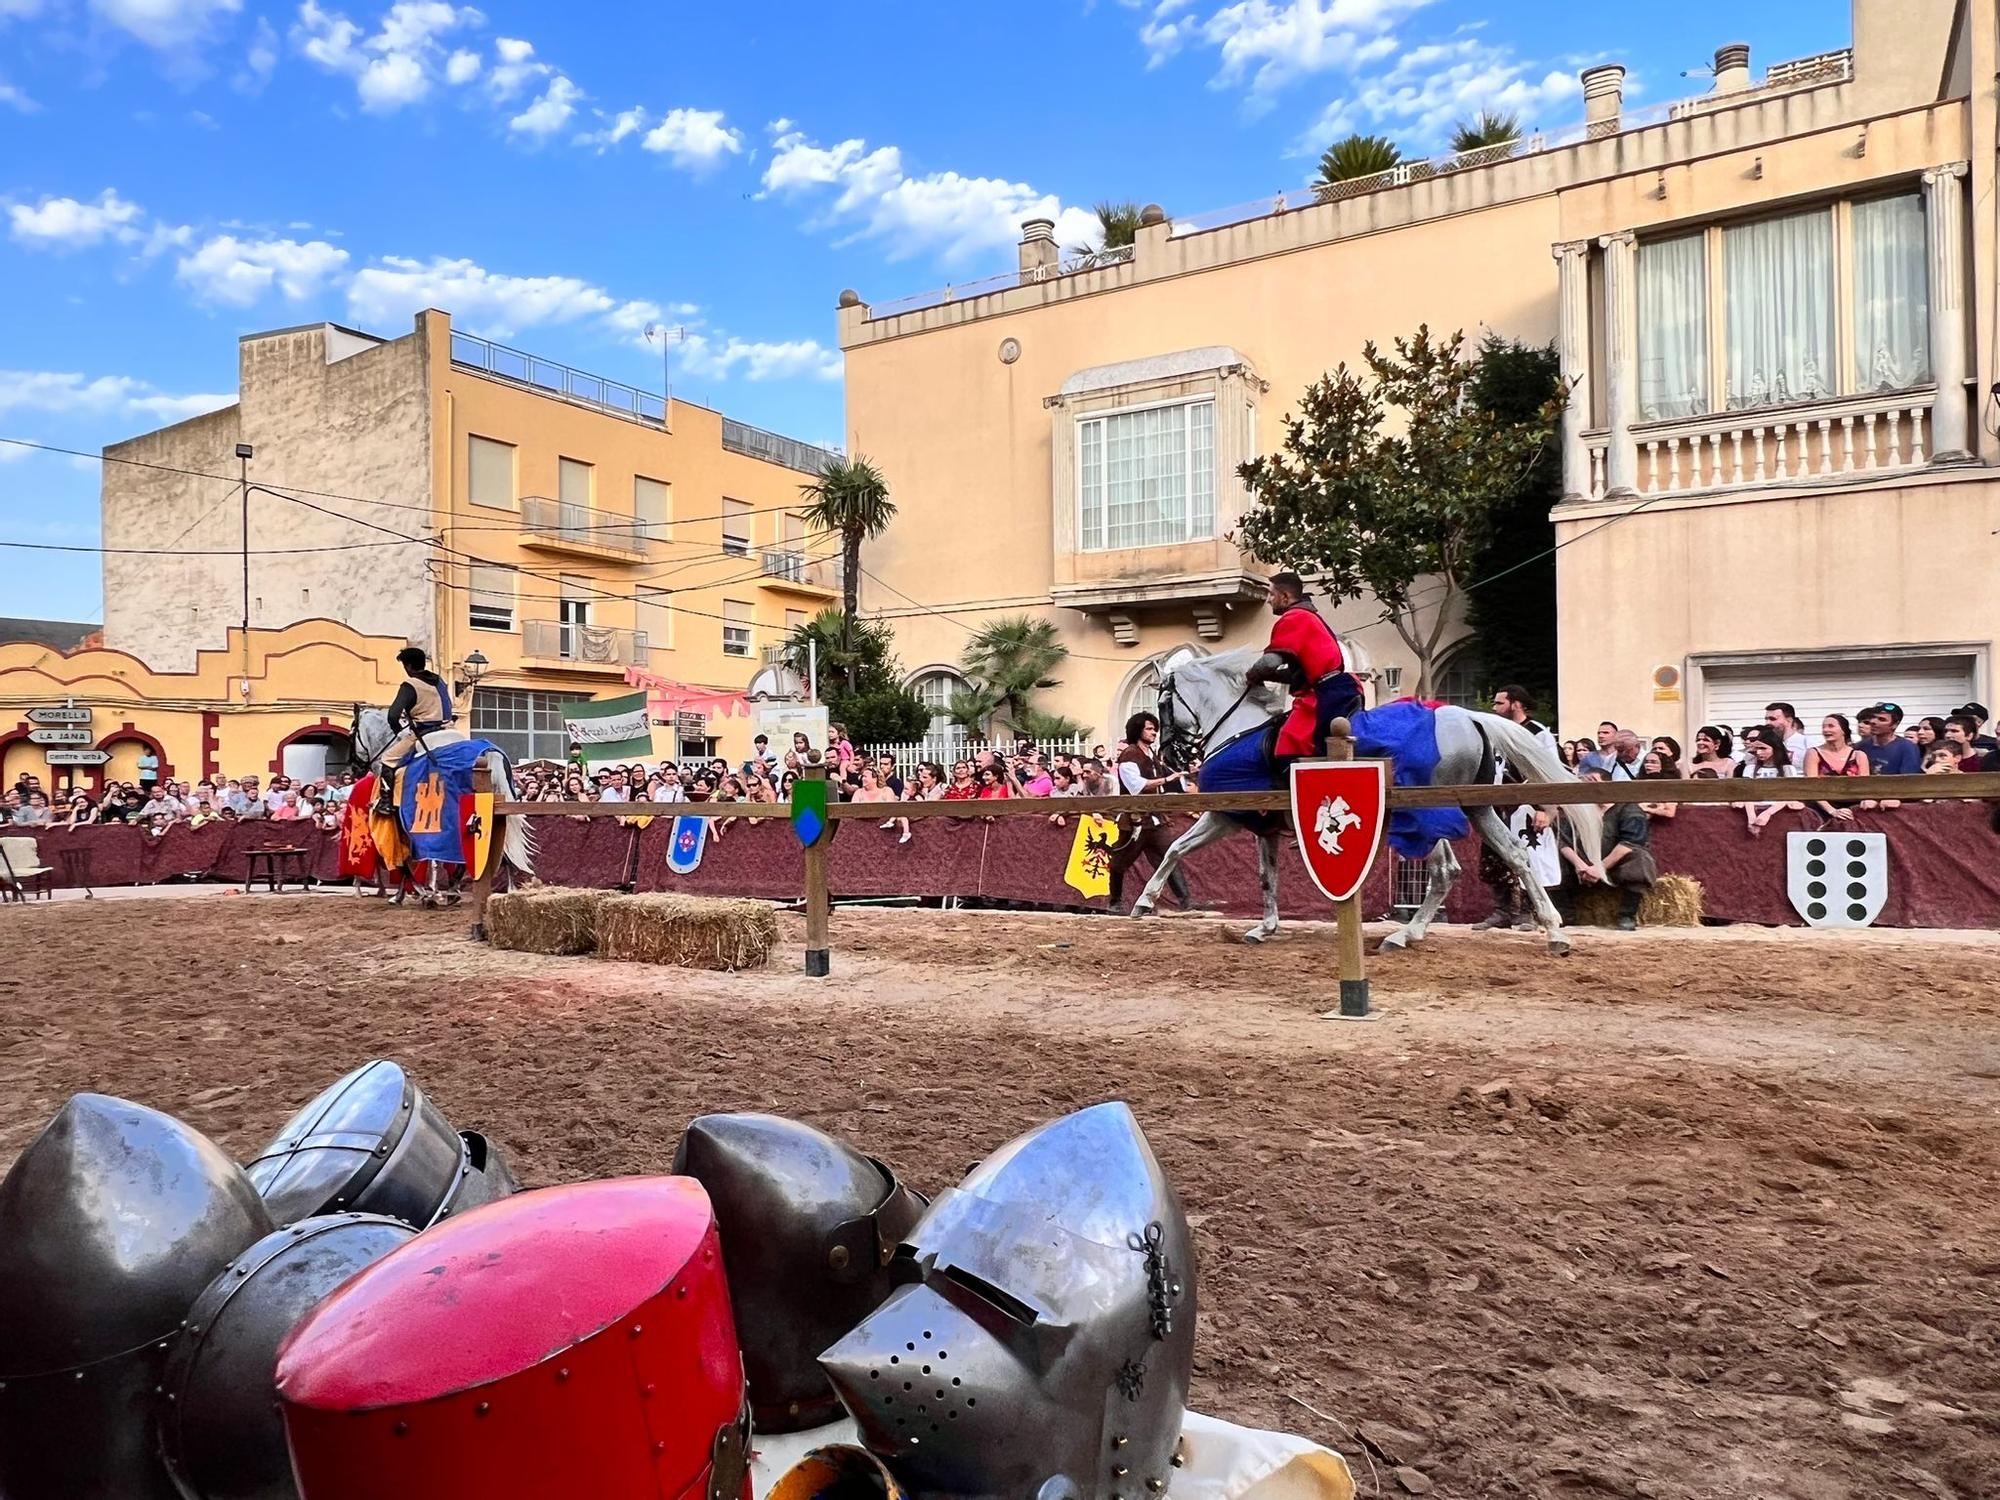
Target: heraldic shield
point(572, 1341)
point(1339, 810)
point(1837, 879)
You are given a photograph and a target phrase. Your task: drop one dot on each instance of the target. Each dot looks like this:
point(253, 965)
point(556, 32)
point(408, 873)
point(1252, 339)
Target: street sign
point(59, 736)
point(58, 716)
point(78, 757)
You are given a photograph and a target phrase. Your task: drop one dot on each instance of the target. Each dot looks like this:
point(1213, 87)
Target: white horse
point(1209, 703)
point(372, 736)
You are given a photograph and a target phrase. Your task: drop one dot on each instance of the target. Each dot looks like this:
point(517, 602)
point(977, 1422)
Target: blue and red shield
point(1339, 811)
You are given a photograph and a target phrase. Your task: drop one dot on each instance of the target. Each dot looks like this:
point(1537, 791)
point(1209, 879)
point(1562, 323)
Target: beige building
point(475, 500)
point(1774, 302)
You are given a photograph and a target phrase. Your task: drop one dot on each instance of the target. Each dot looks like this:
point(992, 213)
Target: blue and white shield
point(1837, 879)
point(684, 849)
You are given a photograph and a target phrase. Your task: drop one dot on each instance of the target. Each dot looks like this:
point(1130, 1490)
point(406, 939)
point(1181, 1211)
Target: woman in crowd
point(992, 785)
point(285, 809)
point(1836, 755)
point(1764, 758)
point(929, 783)
point(962, 788)
point(1930, 729)
point(1669, 749)
point(1712, 747)
point(1569, 754)
point(872, 790)
point(1658, 766)
point(76, 813)
point(35, 811)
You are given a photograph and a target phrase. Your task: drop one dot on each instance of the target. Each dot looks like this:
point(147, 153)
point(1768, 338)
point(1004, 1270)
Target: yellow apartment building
point(1776, 306)
point(545, 534)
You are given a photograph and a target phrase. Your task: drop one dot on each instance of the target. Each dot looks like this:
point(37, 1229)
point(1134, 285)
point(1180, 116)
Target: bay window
point(1147, 477)
point(1673, 327)
point(1891, 295)
point(1777, 278)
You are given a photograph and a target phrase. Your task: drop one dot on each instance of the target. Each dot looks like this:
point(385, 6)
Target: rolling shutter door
point(1734, 695)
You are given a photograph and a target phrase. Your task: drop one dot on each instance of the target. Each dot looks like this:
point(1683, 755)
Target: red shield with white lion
point(1339, 811)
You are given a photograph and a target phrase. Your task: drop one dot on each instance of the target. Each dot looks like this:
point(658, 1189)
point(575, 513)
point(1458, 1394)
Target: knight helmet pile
point(371, 1308)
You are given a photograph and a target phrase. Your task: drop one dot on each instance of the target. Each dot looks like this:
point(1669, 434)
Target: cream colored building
point(1776, 305)
point(563, 531)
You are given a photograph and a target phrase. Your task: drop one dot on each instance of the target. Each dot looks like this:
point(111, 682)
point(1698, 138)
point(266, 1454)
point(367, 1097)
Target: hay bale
point(1674, 901)
point(689, 932)
point(545, 919)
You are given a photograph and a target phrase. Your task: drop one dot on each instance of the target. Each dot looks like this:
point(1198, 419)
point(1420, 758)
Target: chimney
point(1732, 68)
point(1603, 98)
point(1038, 249)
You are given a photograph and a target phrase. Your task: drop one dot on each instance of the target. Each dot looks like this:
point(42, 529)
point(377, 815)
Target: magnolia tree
point(1388, 483)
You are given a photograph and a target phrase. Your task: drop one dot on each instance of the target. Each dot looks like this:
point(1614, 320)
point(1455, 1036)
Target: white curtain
point(1777, 277)
point(1892, 346)
point(1673, 328)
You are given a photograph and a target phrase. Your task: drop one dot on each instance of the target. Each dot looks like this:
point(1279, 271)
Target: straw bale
point(545, 919)
point(1674, 901)
point(688, 932)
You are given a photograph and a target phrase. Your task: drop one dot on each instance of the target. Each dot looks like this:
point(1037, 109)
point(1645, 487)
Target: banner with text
point(610, 730)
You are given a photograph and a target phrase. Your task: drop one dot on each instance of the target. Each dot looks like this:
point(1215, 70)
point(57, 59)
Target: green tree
point(850, 498)
point(1514, 616)
point(1401, 514)
point(1355, 156)
point(1007, 662)
point(861, 679)
point(1487, 128)
point(1117, 227)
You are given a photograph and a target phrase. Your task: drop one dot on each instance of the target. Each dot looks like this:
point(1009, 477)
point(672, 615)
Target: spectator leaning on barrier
point(1889, 754)
point(1959, 733)
point(1785, 719)
point(1980, 739)
point(1764, 758)
point(1712, 748)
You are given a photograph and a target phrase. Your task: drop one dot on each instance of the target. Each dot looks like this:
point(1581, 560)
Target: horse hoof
point(1256, 935)
point(1140, 909)
point(1395, 942)
point(1559, 947)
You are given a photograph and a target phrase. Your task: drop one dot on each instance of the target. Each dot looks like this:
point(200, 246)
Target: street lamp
point(244, 453)
point(470, 671)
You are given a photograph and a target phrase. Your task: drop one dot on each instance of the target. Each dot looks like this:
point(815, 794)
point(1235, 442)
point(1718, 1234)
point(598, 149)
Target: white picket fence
point(944, 749)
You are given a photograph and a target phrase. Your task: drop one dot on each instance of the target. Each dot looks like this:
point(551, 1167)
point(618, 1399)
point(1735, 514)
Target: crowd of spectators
point(156, 804)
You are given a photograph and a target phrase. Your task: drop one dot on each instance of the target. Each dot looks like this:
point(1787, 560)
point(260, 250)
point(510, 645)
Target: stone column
point(1944, 207)
point(1621, 361)
point(1573, 349)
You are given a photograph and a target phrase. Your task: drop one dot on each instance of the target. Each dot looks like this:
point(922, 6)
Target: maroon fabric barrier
point(1944, 862)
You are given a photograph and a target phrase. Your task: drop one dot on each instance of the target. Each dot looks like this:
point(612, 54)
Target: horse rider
point(422, 705)
point(1304, 654)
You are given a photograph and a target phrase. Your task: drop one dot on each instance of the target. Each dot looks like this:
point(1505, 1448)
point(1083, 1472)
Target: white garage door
point(1735, 694)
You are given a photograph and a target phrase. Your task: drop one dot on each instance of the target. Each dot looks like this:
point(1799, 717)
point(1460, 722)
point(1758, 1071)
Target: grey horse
point(1210, 703)
point(372, 736)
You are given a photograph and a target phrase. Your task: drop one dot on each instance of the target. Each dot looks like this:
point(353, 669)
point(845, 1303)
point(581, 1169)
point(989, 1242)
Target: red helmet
point(572, 1341)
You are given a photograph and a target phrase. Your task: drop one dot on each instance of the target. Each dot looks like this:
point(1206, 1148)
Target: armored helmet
point(483, 1175)
point(111, 1223)
point(571, 1341)
point(1043, 1342)
point(220, 1432)
point(372, 1142)
point(808, 1228)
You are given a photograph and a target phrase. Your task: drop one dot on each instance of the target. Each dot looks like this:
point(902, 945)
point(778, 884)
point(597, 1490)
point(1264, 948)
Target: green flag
point(610, 729)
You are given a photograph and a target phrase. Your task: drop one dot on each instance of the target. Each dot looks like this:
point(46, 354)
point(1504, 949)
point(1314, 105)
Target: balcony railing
point(775, 447)
point(531, 371)
point(1844, 438)
point(782, 566)
point(562, 523)
point(584, 645)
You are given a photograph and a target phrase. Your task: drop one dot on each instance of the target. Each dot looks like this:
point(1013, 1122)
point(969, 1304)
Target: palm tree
point(850, 497)
point(1488, 128)
point(1008, 662)
point(1355, 156)
point(1117, 227)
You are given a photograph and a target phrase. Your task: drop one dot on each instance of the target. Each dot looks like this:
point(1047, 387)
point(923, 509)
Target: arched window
point(1461, 677)
point(935, 688)
point(1142, 688)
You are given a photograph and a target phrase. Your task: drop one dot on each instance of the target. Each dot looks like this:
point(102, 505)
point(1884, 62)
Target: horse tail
point(1537, 763)
point(519, 846)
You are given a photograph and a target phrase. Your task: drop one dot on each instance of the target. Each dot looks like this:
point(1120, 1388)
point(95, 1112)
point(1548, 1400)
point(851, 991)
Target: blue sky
point(174, 173)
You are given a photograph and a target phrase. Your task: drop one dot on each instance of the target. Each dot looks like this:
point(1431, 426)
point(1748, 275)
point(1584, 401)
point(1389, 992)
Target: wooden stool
point(78, 869)
point(278, 865)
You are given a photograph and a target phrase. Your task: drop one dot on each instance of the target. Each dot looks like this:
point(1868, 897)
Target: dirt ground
point(1707, 1214)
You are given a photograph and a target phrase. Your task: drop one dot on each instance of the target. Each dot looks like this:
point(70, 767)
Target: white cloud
point(694, 138)
point(261, 60)
point(551, 112)
point(240, 272)
point(69, 394)
point(19, 10)
point(67, 224)
point(396, 65)
point(462, 67)
point(16, 98)
point(720, 357)
point(955, 216)
point(1433, 87)
point(625, 122)
point(395, 287)
point(165, 25)
point(514, 67)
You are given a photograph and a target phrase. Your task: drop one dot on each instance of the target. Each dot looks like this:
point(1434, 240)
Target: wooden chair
point(21, 869)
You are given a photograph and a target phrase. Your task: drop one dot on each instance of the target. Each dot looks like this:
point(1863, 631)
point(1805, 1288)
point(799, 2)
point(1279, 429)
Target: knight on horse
point(422, 706)
point(1304, 655)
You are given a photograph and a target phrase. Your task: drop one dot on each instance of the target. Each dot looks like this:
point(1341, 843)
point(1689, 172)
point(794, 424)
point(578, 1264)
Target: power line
point(208, 552)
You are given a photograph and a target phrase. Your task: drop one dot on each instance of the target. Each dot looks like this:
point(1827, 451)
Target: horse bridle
point(1178, 746)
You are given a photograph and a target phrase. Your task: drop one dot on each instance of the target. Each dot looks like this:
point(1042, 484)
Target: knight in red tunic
point(1304, 654)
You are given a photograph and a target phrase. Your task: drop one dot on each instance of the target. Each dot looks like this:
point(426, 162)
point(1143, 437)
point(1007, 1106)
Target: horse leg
point(1440, 873)
point(1267, 877)
point(1500, 839)
point(1207, 829)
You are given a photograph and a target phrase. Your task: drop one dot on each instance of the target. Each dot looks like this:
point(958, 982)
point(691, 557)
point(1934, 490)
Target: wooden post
point(1347, 914)
point(482, 883)
point(819, 960)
